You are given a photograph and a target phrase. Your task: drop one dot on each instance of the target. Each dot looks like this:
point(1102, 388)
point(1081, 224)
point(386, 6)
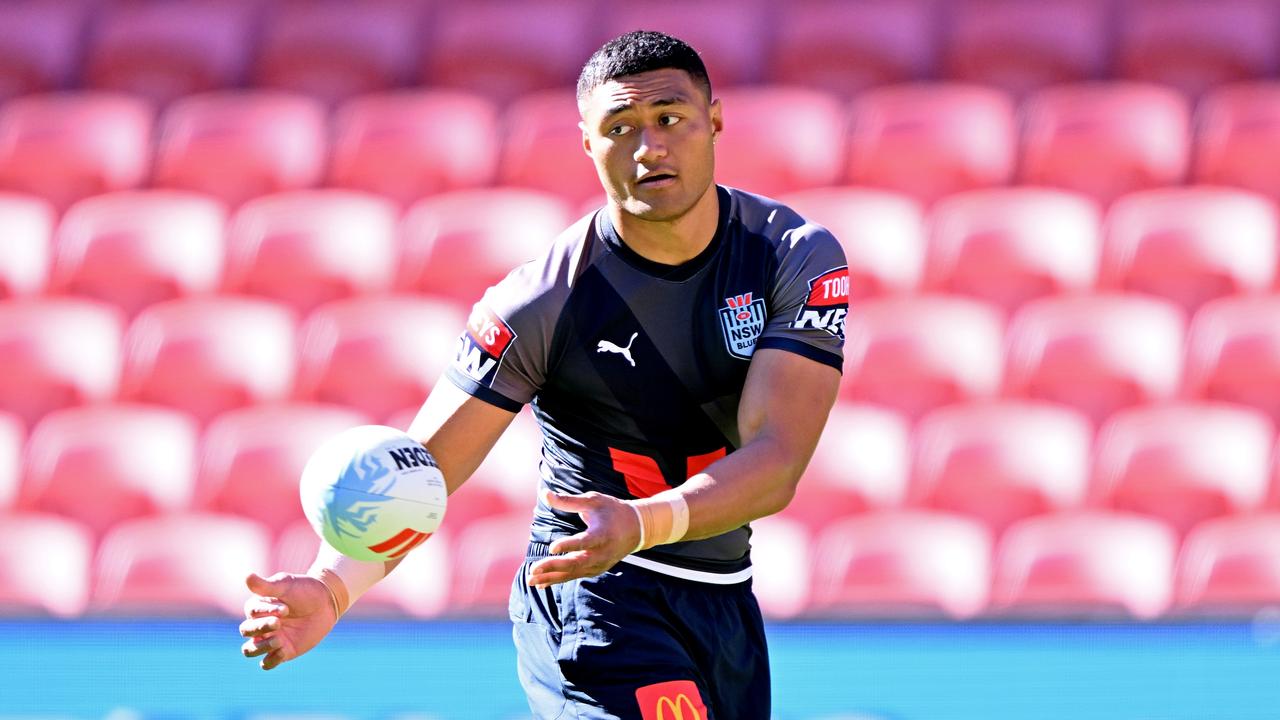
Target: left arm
point(784, 406)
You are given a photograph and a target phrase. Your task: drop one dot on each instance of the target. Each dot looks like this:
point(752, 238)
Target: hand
point(287, 616)
point(612, 533)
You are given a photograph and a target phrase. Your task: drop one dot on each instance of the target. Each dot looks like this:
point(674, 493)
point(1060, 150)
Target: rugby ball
point(373, 493)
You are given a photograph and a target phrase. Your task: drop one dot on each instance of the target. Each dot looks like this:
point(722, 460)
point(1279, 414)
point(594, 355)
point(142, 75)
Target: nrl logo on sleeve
point(827, 303)
point(742, 321)
point(483, 345)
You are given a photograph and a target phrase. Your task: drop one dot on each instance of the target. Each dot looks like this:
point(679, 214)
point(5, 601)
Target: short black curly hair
point(637, 52)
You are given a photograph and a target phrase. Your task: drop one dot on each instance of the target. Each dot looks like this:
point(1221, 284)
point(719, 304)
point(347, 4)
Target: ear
point(717, 119)
point(586, 138)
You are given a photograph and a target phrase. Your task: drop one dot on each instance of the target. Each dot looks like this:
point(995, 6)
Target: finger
point(555, 578)
point(581, 541)
point(267, 587)
point(259, 606)
point(273, 659)
point(254, 627)
point(254, 647)
point(570, 503)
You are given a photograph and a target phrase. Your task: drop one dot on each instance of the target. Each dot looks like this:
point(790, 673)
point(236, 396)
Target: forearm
point(757, 480)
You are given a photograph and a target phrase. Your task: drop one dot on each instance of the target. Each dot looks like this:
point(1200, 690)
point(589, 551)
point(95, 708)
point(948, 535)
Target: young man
point(681, 348)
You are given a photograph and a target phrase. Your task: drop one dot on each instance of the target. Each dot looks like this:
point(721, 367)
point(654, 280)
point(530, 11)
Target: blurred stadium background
point(229, 228)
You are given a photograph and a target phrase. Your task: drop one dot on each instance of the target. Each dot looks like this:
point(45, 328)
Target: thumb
point(561, 501)
point(266, 587)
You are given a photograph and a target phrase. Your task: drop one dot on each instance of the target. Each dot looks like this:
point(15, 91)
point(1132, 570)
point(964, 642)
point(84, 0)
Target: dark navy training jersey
point(635, 368)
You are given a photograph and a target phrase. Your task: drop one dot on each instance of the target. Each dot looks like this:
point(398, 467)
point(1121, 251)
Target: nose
point(652, 146)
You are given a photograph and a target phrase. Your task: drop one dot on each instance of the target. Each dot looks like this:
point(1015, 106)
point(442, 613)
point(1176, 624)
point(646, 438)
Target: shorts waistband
point(538, 549)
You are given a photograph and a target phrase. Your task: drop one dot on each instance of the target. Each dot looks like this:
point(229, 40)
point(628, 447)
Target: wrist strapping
point(346, 579)
point(664, 519)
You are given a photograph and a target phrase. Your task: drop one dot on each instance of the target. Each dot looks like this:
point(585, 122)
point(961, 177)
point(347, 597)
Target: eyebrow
point(660, 102)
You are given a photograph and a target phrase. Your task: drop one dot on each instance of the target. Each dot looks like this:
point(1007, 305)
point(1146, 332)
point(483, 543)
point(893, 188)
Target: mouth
point(656, 179)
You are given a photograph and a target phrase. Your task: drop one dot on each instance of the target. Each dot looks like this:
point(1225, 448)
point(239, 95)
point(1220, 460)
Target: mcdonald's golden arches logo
point(672, 700)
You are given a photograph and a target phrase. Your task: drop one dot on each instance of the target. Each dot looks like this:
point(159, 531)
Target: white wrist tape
point(357, 576)
point(664, 519)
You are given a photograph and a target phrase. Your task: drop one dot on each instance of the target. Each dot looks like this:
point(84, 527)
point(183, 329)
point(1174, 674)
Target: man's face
point(651, 137)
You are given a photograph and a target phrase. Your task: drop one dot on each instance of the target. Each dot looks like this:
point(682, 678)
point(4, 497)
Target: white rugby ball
point(373, 493)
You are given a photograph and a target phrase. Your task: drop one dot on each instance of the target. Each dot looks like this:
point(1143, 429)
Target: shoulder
point(546, 281)
point(793, 239)
point(780, 225)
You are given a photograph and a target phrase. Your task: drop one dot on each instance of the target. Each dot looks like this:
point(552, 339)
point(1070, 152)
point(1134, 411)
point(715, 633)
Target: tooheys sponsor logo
point(483, 345)
point(827, 303)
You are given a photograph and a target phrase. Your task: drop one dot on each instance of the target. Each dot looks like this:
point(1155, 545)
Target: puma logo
point(606, 346)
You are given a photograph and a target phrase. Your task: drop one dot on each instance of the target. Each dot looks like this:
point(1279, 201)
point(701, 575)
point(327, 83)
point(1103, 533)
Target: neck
point(670, 242)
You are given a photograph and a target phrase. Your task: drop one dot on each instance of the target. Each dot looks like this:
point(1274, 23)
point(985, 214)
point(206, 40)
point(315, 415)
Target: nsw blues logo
point(353, 509)
point(742, 320)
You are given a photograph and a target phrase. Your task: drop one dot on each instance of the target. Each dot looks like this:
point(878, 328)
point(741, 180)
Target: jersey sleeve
point(809, 298)
point(502, 352)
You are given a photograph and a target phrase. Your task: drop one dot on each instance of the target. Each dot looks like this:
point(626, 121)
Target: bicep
point(786, 399)
point(458, 430)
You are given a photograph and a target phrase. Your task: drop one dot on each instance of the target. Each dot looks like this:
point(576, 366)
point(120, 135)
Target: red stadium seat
point(1194, 45)
point(845, 47)
point(1191, 245)
point(781, 576)
point(66, 146)
point(334, 49)
point(1233, 352)
point(1231, 564)
point(252, 458)
point(861, 463)
point(1238, 137)
point(40, 45)
point(1184, 463)
point(103, 464)
point(458, 244)
point(486, 555)
point(409, 145)
point(1002, 461)
point(1172, 242)
point(377, 354)
point(906, 563)
point(1011, 245)
point(209, 355)
point(917, 353)
point(308, 247)
point(931, 140)
point(1096, 353)
point(504, 50)
point(778, 140)
point(163, 51)
point(1085, 563)
point(511, 469)
point(1105, 139)
point(883, 235)
point(543, 148)
point(178, 564)
point(13, 434)
point(45, 564)
point(26, 241)
point(732, 32)
point(1022, 46)
point(135, 248)
point(57, 352)
point(237, 145)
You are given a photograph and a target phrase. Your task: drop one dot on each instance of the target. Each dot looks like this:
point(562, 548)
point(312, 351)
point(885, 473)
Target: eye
point(619, 130)
point(669, 119)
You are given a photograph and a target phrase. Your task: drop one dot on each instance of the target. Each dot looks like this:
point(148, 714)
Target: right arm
point(289, 614)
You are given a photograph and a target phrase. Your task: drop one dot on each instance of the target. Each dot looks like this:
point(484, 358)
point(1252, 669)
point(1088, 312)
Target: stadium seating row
point(925, 140)
point(1005, 246)
point(996, 462)
point(905, 563)
point(204, 355)
point(332, 49)
point(135, 248)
